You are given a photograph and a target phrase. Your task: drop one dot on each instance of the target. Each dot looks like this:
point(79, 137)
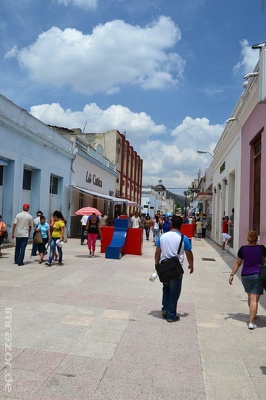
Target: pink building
point(253, 174)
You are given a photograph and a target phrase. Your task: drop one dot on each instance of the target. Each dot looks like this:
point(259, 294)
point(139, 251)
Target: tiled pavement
point(92, 329)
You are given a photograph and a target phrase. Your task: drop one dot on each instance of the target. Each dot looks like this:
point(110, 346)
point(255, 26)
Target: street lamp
point(204, 152)
point(186, 193)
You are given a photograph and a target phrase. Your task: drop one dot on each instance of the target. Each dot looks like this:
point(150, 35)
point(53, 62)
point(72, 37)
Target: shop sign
point(93, 179)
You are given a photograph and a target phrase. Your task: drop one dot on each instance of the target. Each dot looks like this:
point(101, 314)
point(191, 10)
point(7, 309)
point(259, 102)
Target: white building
point(154, 198)
point(93, 183)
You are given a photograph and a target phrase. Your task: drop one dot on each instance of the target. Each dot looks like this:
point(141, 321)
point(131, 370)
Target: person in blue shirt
point(166, 224)
point(44, 228)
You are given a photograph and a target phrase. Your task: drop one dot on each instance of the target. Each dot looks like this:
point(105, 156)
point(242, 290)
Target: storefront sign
point(93, 179)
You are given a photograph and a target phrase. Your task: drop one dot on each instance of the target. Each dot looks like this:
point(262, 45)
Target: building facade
point(35, 165)
point(113, 146)
point(237, 174)
point(154, 198)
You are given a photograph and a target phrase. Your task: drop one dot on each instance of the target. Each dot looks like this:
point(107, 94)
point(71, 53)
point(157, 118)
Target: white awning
point(134, 204)
point(104, 196)
point(204, 196)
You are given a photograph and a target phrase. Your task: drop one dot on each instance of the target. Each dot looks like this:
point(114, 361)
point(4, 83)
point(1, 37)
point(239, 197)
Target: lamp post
point(204, 152)
point(186, 193)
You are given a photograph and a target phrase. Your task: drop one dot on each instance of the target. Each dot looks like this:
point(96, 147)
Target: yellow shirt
point(57, 229)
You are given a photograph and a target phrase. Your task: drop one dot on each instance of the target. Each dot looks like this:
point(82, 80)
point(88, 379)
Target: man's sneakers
point(175, 319)
point(252, 326)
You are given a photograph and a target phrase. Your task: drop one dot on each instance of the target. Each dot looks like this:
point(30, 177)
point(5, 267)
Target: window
point(81, 200)
point(53, 185)
point(27, 177)
point(256, 184)
point(1, 175)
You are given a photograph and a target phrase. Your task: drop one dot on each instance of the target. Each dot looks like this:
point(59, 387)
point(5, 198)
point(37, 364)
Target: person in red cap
point(21, 230)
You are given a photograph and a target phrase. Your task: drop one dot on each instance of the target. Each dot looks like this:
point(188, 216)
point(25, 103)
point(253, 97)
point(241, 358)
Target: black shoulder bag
point(170, 268)
point(263, 268)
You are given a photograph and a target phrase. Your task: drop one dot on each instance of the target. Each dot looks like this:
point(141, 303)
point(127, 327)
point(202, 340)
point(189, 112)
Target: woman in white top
point(156, 229)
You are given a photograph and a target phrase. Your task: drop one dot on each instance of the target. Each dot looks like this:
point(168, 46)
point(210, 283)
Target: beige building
point(113, 146)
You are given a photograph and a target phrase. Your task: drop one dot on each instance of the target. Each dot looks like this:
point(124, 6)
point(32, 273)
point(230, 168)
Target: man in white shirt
point(21, 230)
point(135, 220)
point(83, 221)
point(167, 247)
point(103, 219)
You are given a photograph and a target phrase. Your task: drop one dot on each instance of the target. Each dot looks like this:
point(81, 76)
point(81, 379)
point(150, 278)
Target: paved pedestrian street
point(92, 329)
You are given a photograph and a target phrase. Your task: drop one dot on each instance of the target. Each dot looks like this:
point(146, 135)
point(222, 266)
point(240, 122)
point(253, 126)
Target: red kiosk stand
point(133, 240)
point(188, 230)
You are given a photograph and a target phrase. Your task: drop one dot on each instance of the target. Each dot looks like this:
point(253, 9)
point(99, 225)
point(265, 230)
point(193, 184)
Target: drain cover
point(208, 259)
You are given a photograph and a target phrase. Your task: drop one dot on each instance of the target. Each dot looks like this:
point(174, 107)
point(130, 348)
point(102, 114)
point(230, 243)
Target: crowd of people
point(48, 238)
point(162, 223)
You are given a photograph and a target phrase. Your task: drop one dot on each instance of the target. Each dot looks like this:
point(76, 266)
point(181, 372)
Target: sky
point(167, 73)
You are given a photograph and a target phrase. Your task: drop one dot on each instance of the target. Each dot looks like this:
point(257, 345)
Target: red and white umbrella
point(88, 211)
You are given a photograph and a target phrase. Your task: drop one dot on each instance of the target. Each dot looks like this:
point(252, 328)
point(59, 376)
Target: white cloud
point(197, 133)
point(85, 4)
point(176, 162)
point(248, 60)
point(176, 165)
point(115, 54)
point(12, 52)
point(137, 125)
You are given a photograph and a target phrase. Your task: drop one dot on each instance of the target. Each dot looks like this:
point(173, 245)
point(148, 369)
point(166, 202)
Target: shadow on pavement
point(158, 314)
point(263, 370)
point(260, 320)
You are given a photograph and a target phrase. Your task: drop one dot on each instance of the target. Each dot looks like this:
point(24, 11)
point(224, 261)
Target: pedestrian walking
point(226, 237)
point(156, 228)
point(135, 220)
point(35, 223)
point(103, 219)
point(93, 229)
point(83, 221)
point(3, 232)
point(199, 227)
point(251, 257)
point(57, 238)
point(166, 224)
point(21, 229)
point(204, 226)
point(44, 228)
point(148, 226)
point(166, 247)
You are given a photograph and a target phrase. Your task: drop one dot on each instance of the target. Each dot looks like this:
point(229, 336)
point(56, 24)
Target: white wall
point(228, 196)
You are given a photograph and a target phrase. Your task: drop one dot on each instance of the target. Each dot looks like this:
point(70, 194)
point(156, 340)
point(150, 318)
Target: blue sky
point(166, 72)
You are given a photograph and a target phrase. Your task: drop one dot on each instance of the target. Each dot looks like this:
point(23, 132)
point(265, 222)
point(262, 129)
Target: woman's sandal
point(48, 264)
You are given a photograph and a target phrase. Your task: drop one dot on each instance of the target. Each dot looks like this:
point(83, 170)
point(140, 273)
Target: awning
point(104, 196)
point(204, 196)
point(134, 204)
point(120, 200)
